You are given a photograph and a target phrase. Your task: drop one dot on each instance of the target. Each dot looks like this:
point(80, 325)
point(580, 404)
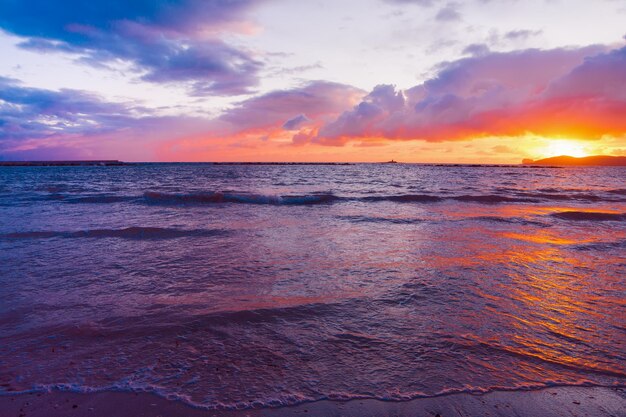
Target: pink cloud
point(294, 114)
point(578, 92)
point(575, 93)
point(562, 92)
point(318, 101)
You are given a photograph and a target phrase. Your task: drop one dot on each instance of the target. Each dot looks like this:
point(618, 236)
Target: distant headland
point(564, 160)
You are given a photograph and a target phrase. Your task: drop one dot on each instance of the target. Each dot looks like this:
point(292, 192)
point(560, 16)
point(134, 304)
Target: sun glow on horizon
point(559, 147)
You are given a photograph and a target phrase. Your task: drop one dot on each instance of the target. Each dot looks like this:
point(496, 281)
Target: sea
point(247, 286)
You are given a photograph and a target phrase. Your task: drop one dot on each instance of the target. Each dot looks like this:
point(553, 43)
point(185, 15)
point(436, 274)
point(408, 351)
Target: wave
point(508, 220)
point(277, 401)
point(209, 197)
point(493, 199)
point(101, 199)
point(589, 216)
point(565, 197)
point(487, 198)
point(405, 198)
point(618, 191)
point(372, 219)
point(602, 246)
point(86, 199)
point(571, 194)
point(428, 198)
point(241, 198)
point(126, 233)
point(564, 363)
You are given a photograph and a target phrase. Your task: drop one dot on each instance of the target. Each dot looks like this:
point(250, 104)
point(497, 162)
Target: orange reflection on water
point(550, 288)
point(554, 314)
point(548, 236)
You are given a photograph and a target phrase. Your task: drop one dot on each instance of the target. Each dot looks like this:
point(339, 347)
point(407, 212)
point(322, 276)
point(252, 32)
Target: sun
point(567, 147)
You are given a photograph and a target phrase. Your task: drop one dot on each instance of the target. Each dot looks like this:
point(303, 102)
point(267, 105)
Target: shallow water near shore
point(232, 286)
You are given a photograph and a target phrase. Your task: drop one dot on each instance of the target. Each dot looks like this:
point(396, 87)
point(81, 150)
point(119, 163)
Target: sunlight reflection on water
point(310, 282)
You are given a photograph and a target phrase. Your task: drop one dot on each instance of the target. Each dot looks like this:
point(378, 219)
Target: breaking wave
point(280, 400)
point(217, 197)
point(204, 198)
point(405, 198)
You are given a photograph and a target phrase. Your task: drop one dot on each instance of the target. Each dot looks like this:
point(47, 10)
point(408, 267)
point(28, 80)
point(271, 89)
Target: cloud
point(561, 92)
point(279, 118)
point(448, 13)
point(36, 113)
point(318, 101)
point(37, 123)
point(601, 76)
point(167, 40)
point(296, 122)
point(425, 3)
point(476, 49)
point(522, 34)
point(382, 103)
point(502, 149)
point(573, 93)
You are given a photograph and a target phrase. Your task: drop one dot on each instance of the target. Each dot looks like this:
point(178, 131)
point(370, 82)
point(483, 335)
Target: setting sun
point(564, 147)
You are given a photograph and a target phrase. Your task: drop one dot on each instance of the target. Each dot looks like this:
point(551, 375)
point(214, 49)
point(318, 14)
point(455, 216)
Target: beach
point(548, 402)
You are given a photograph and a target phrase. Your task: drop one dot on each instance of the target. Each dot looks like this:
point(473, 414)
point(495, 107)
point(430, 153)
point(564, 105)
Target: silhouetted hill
point(597, 160)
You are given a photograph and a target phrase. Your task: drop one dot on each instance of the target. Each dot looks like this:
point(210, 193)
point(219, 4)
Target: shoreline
point(558, 401)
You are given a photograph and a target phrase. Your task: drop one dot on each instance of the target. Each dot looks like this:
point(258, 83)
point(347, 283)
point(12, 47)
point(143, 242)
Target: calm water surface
point(240, 286)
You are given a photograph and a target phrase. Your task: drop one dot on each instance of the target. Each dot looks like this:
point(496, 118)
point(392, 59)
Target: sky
point(474, 81)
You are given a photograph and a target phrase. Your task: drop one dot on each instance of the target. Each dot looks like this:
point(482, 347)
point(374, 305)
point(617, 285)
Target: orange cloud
point(574, 93)
point(548, 93)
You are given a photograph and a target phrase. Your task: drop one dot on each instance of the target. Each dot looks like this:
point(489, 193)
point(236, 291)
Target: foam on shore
point(547, 402)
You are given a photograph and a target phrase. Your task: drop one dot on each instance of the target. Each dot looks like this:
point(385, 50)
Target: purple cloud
point(318, 100)
point(296, 122)
point(561, 91)
point(476, 49)
point(44, 124)
point(448, 13)
point(546, 92)
point(521, 35)
point(27, 113)
point(167, 41)
point(425, 3)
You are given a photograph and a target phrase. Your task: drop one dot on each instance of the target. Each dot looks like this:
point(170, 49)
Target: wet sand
point(549, 402)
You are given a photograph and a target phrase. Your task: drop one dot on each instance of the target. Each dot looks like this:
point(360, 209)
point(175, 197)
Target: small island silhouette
point(596, 160)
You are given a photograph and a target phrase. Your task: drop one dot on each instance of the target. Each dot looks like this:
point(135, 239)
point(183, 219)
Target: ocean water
point(259, 286)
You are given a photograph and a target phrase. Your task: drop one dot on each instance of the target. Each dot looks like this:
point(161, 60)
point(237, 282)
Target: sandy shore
point(550, 402)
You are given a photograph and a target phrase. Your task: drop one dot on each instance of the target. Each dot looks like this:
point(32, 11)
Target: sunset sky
point(491, 81)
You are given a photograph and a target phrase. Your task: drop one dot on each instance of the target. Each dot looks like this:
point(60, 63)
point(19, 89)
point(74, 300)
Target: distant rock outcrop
point(597, 160)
